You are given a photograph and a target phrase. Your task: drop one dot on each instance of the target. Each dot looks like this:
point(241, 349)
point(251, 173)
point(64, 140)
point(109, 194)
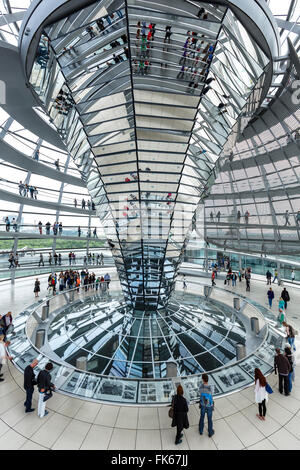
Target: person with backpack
point(261, 395)
point(285, 297)
point(45, 387)
point(180, 411)
point(206, 405)
point(270, 295)
point(290, 335)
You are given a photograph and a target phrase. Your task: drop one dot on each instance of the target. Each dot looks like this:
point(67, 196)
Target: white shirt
point(260, 393)
point(2, 353)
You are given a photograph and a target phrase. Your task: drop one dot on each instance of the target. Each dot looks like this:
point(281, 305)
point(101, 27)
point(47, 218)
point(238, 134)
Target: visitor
point(107, 280)
point(7, 224)
point(269, 277)
point(41, 262)
point(287, 216)
point(247, 215)
point(247, 278)
point(79, 231)
point(261, 395)
point(57, 164)
point(29, 383)
point(281, 316)
point(37, 288)
point(180, 411)
point(293, 275)
point(35, 192)
point(289, 355)
point(14, 224)
point(218, 216)
point(213, 276)
point(298, 217)
point(101, 259)
point(275, 276)
point(234, 278)
point(75, 202)
point(40, 227)
point(60, 228)
point(45, 387)
point(48, 226)
point(184, 285)
point(270, 295)
point(95, 233)
point(206, 405)
point(83, 204)
point(285, 297)
point(290, 334)
point(282, 365)
point(3, 355)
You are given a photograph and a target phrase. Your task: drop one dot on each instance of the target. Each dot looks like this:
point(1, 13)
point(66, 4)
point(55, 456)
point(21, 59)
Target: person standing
point(107, 280)
point(247, 277)
point(290, 334)
point(289, 355)
point(184, 285)
point(40, 227)
point(233, 278)
point(29, 383)
point(37, 287)
point(44, 386)
point(285, 297)
point(269, 277)
point(3, 355)
point(293, 275)
point(270, 295)
point(261, 395)
point(282, 365)
point(206, 405)
point(281, 316)
point(41, 262)
point(180, 417)
point(7, 224)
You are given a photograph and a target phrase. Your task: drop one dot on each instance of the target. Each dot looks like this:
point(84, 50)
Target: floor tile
point(224, 438)
point(97, 438)
point(265, 444)
point(127, 418)
point(247, 432)
point(122, 439)
point(29, 445)
point(12, 440)
point(293, 426)
point(284, 440)
point(72, 436)
point(70, 407)
point(107, 415)
point(148, 418)
point(147, 439)
point(88, 411)
point(267, 427)
point(47, 434)
point(197, 442)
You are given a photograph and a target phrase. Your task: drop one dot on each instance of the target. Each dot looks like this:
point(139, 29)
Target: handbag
point(268, 389)
point(48, 395)
point(171, 410)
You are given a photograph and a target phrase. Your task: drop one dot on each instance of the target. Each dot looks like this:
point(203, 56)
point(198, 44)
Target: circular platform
point(135, 357)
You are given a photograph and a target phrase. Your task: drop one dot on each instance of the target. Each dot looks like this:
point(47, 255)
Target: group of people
point(71, 279)
point(89, 204)
point(232, 276)
point(56, 259)
point(25, 189)
point(238, 216)
point(13, 260)
point(284, 366)
point(287, 218)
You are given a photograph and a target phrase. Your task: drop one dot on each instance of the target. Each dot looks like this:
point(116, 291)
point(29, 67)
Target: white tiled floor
point(78, 424)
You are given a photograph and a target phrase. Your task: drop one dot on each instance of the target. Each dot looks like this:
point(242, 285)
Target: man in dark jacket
point(269, 277)
point(282, 364)
point(180, 418)
point(44, 385)
point(285, 296)
point(29, 383)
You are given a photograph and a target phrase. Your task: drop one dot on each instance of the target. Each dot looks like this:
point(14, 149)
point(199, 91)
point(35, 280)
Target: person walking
point(287, 216)
point(261, 395)
point(40, 227)
point(270, 295)
point(281, 316)
point(282, 365)
point(29, 383)
point(180, 411)
point(206, 405)
point(289, 355)
point(37, 288)
point(269, 277)
point(247, 278)
point(107, 280)
point(45, 387)
point(275, 276)
point(213, 276)
point(285, 297)
point(290, 334)
point(7, 224)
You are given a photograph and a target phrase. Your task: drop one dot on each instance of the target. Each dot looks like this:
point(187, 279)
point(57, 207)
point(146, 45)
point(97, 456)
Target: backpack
point(206, 400)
